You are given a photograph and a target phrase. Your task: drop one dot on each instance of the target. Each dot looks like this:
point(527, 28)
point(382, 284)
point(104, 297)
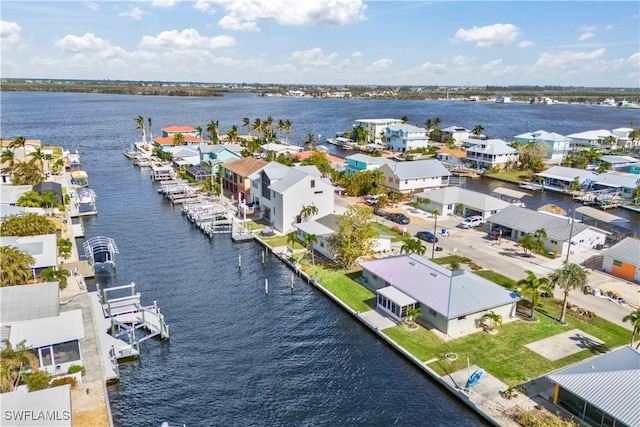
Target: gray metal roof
point(54, 400)
point(407, 128)
point(610, 382)
point(28, 302)
point(563, 172)
point(322, 226)
point(472, 199)
point(451, 294)
point(419, 169)
point(588, 211)
point(492, 146)
point(528, 221)
point(628, 250)
point(617, 179)
point(43, 248)
point(396, 296)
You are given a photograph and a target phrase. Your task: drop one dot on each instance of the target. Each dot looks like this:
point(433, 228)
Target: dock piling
point(266, 286)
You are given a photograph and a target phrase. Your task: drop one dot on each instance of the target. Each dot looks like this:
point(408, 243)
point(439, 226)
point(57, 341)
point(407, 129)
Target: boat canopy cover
point(79, 175)
point(515, 194)
point(599, 215)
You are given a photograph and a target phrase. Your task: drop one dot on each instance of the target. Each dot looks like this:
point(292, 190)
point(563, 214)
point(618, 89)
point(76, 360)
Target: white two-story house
point(375, 128)
point(284, 191)
point(556, 145)
point(487, 154)
point(403, 137)
point(415, 176)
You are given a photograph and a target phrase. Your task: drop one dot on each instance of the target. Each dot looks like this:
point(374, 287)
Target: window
point(432, 312)
point(66, 352)
point(617, 263)
point(317, 192)
point(313, 183)
point(462, 317)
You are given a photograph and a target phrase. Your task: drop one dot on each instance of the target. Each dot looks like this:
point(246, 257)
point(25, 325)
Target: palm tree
point(246, 123)
point(404, 119)
point(310, 241)
point(412, 313)
point(139, 121)
point(268, 128)
point(16, 266)
point(150, 130)
point(413, 246)
point(287, 128)
point(292, 238)
point(534, 286)
point(212, 131)
point(494, 319)
point(19, 142)
point(477, 131)
point(308, 212)
point(199, 130)
point(14, 363)
point(59, 275)
point(178, 139)
point(9, 156)
point(436, 122)
point(257, 125)
point(455, 264)
point(232, 135)
point(311, 140)
point(570, 276)
point(38, 158)
point(58, 165)
point(634, 319)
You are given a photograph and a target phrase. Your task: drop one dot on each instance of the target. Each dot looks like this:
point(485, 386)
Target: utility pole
point(435, 226)
point(573, 219)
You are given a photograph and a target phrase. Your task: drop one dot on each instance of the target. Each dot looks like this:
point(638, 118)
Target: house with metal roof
point(414, 176)
point(619, 163)
point(43, 248)
point(487, 154)
point(375, 128)
point(562, 178)
point(603, 390)
point(217, 154)
point(452, 301)
point(457, 134)
point(278, 149)
point(459, 201)
point(623, 259)
point(556, 145)
point(623, 184)
point(50, 407)
point(363, 162)
point(404, 137)
point(590, 138)
point(515, 222)
point(284, 191)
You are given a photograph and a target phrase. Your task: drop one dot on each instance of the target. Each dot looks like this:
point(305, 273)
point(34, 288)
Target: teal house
point(217, 154)
point(363, 162)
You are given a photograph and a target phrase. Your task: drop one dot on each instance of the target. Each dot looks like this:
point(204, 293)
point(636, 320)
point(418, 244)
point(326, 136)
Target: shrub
point(535, 418)
point(64, 380)
point(39, 380)
point(75, 368)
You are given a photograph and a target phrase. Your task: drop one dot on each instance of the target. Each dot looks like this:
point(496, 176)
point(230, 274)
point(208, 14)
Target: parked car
point(400, 218)
point(427, 236)
point(498, 233)
point(471, 221)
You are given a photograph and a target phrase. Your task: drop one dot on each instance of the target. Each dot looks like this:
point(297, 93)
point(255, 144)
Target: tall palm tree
point(212, 131)
point(311, 140)
point(37, 157)
point(377, 178)
point(14, 362)
point(9, 157)
point(139, 121)
point(268, 128)
point(634, 319)
point(534, 286)
point(310, 241)
point(199, 130)
point(178, 139)
point(308, 212)
point(19, 142)
point(413, 246)
point(477, 130)
point(16, 266)
point(292, 238)
point(150, 130)
point(257, 125)
point(246, 123)
point(287, 128)
point(570, 276)
point(232, 135)
point(436, 122)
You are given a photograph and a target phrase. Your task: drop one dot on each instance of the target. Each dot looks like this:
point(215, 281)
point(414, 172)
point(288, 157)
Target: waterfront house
point(375, 128)
point(602, 390)
point(414, 176)
point(43, 248)
point(404, 137)
point(623, 259)
point(10, 194)
point(337, 163)
point(278, 149)
point(451, 156)
point(516, 221)
point(284, 191)
point(488, 154)
point(236, 177)
point(50, 187)
point(451, 301)
point(457, 134)
point(324, 227)
point(184, 156)
point(170, 131)
point(591, 138)
point(619, 183)
point(190, 134)
point(53, 403)
point(459, 201)
point(363, 162)
point(556, 145)
point(563, 179)
point(620, 163)
point(623, 139)
point(31, 313)
point(217, 154)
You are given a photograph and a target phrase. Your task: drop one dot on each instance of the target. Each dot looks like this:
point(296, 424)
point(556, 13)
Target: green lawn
point(511, 176)
point(383, 229)
point(446, 260)
point(498, 278)
point(277, 241)
point(253, 226)
point(504, 354)
point(346, 289)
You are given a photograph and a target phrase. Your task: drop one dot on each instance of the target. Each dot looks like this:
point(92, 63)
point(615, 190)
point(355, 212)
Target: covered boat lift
point(606, 221)
point(100, 251)
point(512, 196)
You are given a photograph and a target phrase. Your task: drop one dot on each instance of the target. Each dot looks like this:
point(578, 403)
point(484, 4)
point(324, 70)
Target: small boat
point(474, 378)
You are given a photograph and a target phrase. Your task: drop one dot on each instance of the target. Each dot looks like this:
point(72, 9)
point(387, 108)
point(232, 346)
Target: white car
point(472, 221)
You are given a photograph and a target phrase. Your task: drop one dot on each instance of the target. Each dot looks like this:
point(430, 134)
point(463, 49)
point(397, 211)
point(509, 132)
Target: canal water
point(237, 356)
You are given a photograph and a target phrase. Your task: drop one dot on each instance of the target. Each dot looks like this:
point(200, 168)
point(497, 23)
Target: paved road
point(505, 258)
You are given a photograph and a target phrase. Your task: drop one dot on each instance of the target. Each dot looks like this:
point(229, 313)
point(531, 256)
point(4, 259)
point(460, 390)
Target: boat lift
point(100, 251)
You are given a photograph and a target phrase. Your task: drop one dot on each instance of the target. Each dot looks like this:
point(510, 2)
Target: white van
point(472, 221)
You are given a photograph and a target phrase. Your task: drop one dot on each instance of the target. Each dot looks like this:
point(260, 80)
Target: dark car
point(427, 235)
point(400, 218)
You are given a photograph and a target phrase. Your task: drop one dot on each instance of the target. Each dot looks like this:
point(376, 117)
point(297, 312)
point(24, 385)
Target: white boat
point(86, 200)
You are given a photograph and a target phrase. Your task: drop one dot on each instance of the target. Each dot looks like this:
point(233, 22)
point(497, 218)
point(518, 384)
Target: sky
point(326, 42)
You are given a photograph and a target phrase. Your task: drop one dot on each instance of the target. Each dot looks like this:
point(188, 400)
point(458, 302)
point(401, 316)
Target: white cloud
point(357, 54)
point(489, 35)
point(526, 43)
point(563, 60)
point(433, 68)
point(205, 6)
point(186, 39)
point(91, 5)
point(634, 60)
point(589, 28)
point(9, 32)
point(585, 36)
point(608, 27)
point(229, 22)
point(86, 43)
point(287, 12)
point(313, 57)
point(164, 3)
point(380, 65)
point(134, 12)
point(460, 60)
point(496, 68)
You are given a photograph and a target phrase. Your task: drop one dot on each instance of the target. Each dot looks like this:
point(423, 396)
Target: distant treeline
point(517, 93)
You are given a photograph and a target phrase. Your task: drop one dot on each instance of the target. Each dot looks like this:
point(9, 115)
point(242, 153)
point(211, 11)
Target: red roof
point(304, 155)
point(168, 140)
point(176, 129)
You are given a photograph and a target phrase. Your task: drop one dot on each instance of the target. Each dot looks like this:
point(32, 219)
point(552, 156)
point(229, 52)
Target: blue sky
point(332, 42)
